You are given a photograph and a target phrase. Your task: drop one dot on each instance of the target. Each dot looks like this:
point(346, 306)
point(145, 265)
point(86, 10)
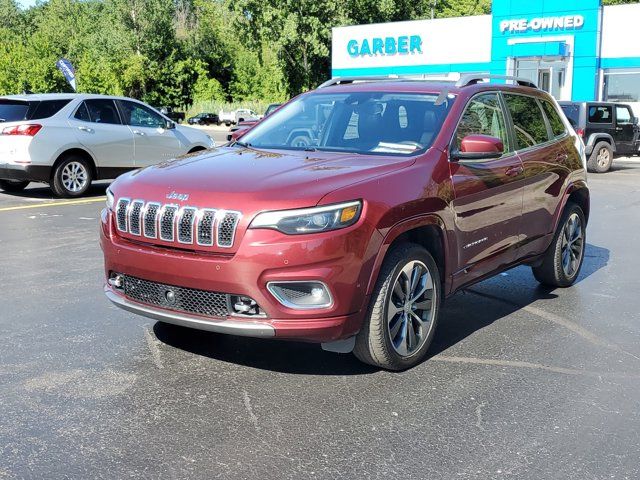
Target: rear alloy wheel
point(404, 311)
point(72, 177)
point(563, 260)
point(601, 158)
point(13, 186)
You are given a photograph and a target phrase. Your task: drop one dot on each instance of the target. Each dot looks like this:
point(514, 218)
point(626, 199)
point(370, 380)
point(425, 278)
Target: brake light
point(28, 130)
point(580, 132)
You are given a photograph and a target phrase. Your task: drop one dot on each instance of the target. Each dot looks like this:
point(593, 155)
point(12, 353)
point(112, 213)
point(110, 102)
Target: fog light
point(242, 305)
point(301, 295)
point(116, 280)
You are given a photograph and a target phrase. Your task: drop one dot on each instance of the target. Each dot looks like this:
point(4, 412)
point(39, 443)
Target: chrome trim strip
point(293, 306)
point(246, 329)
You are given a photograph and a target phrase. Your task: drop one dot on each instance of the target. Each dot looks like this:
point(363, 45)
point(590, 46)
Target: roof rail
point(472, 79)
point(342, 80)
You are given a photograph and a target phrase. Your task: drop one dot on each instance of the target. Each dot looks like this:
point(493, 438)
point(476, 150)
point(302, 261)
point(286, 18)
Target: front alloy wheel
point(404, 310)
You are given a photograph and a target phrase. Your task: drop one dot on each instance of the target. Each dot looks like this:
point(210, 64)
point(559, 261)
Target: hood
point(251, 180)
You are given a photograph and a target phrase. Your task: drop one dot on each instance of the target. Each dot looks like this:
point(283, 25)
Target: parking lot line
point(54, 204)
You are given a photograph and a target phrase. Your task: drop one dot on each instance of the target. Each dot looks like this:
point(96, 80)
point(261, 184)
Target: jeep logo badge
point(183, 197)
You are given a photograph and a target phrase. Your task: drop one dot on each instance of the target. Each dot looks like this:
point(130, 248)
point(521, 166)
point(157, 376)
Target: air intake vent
point(167, 216)
point(121, 214)
point(227, 229)
point(135, 211)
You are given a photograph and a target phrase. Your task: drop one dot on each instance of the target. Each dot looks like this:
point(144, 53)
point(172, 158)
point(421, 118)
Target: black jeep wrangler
point(608, 130)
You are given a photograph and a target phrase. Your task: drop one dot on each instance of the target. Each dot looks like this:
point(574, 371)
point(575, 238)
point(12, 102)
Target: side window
point(600, 114)
point(82, 113)
point(483, 116)
point(557, 125)
point(528, 122)
point(102, 111)
point(138, 115)
point(623, 116)
point(48, 108)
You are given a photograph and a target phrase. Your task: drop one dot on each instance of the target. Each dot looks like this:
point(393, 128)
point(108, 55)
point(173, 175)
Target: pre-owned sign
point(542, 24)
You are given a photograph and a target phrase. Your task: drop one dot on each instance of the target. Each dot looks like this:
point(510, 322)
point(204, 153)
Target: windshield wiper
point(241, 144)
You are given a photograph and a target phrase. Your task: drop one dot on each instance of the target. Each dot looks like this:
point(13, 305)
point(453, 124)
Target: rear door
point(540, 142)
point(488, 194)
point(154, 143)
point(625, 131)
point(97, 125)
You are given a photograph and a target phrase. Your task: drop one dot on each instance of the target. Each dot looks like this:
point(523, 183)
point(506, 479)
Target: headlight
point(109, 199)
point(310, 220)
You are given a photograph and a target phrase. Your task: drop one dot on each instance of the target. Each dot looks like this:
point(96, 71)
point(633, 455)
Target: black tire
point(61, 184)
point(374, 344)
point(553, 272)
point(13, 186)
point(601, 158)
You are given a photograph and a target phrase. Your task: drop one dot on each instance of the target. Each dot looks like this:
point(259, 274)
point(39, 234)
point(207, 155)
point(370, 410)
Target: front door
point(487, 195)
point(154, 143)
point(625, 131)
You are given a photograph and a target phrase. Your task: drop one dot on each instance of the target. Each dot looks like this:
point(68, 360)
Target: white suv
point(69, 140)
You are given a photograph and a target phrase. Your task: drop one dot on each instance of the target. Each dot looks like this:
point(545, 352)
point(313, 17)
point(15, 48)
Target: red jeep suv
point(351, 213)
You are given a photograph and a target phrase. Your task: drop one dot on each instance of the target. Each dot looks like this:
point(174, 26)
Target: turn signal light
point(28, 130)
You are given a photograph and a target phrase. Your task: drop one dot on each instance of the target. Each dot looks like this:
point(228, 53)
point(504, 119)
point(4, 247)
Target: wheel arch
point(594, 138)
point(197, 148)
point(75, 151)
point(428, 231)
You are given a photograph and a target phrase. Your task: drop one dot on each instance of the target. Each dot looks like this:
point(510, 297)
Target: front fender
point(392, 234)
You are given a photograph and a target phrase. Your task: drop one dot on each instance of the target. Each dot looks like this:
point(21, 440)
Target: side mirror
point(635, 120)
point(169, 125)
point(479, 147)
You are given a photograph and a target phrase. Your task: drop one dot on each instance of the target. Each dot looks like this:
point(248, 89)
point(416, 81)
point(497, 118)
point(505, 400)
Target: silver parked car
point(69, 140)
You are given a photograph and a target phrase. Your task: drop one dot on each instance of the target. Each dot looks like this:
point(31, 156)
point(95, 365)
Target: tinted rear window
point(13, 110)
point(528, 121)
point(572, 112)
point(600, 114)
point(48, 108)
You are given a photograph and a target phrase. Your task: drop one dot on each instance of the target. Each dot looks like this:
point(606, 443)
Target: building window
point(622, 85)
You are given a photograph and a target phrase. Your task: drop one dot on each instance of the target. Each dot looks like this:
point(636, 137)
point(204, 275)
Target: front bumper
point(342, 260)
point(32, 173)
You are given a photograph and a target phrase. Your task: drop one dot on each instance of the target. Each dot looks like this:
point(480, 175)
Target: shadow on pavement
point(459, 318)
point(41, 191)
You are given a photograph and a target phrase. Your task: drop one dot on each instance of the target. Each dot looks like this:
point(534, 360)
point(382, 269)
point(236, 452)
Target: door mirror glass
point(169, 125)
point(478, 147)
point(635, 120)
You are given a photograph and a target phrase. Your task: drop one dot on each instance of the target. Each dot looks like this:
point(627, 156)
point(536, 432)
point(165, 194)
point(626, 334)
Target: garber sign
point(542, 24)
point(402, 45)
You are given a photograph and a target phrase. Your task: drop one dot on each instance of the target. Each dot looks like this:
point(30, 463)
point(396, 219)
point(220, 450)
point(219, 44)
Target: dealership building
point(574, 49)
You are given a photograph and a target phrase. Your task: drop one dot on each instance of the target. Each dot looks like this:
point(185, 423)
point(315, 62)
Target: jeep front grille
point(170, 223)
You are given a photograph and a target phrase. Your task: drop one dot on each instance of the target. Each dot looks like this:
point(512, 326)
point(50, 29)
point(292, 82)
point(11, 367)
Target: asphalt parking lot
point(521, 382)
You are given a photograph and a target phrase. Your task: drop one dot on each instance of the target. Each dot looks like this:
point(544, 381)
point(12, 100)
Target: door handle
point(138, 132)
point(514, 171)
point(86, 129)
point(619, 129)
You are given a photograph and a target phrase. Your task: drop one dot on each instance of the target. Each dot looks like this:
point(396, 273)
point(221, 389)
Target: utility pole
point(433, 9)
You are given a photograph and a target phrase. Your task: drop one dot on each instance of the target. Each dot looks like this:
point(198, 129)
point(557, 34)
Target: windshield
point(359, 122)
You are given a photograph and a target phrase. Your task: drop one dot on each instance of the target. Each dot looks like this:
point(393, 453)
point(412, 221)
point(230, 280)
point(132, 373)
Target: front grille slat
point(227, 229)
point(205, 227)
point(200, 302)
point(134, 213)
point(167, 218)
point(121, 214)
point(151, 220)
point(186, 220)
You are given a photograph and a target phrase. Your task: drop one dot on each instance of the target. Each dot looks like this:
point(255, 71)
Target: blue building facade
point(574, 49)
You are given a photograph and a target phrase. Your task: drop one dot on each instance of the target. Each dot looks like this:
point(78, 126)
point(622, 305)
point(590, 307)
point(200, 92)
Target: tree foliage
point(175, 52)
